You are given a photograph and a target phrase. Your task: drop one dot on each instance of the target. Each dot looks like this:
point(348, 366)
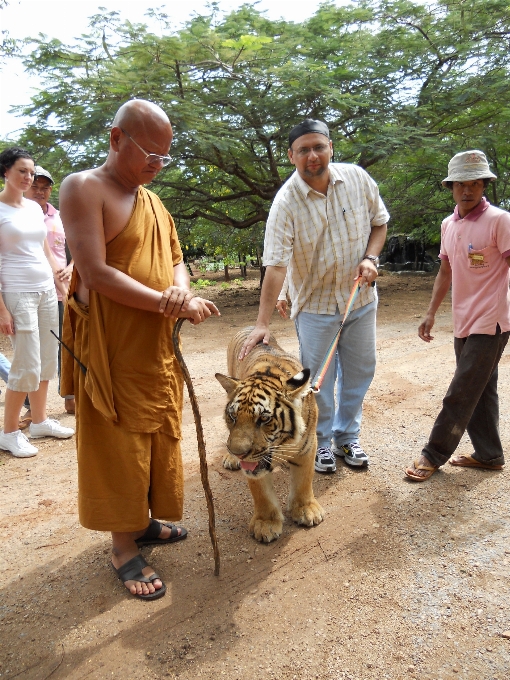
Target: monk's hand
point(199, 310)
point(366, 271)
point(258, 334)
point(174, 301)
point(6, 323)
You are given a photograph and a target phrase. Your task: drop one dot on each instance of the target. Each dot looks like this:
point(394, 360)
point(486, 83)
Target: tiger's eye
point(265, 417)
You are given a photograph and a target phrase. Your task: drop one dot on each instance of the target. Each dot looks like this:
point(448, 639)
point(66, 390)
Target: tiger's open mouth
point(253, 468)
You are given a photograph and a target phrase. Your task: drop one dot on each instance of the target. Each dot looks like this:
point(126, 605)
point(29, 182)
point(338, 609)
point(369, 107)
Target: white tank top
point(24, 267)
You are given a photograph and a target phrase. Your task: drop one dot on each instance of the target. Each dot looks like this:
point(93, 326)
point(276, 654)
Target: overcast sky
point(66, 19)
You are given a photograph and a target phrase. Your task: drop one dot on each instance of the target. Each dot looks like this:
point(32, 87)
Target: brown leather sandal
point(23, 423)
point(429, 469)
point(469, 461)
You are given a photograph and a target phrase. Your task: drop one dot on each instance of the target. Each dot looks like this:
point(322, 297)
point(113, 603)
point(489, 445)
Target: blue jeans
point(352, 370)
point(5, 367)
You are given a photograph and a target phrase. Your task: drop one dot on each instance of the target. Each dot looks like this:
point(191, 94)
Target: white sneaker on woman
point(50, 428)
point(17, 444)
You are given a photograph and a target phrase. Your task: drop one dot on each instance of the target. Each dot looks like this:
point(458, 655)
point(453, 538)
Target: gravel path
point(401, 580)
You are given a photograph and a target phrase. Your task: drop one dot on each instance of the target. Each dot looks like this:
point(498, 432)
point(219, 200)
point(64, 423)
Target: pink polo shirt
point(56, 238)
point(476, 247)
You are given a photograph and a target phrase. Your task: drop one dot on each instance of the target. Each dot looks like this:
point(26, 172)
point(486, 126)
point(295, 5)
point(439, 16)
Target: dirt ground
point(401, 580)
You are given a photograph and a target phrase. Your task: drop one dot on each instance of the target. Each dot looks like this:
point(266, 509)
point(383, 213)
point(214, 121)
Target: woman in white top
point(28, 305)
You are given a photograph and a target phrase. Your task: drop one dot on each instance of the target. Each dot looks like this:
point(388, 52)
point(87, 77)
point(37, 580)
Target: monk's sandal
point(132, 571)
point(151, 536)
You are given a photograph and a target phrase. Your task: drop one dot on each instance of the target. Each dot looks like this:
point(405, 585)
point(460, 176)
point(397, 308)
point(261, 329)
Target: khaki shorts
point(35, 348)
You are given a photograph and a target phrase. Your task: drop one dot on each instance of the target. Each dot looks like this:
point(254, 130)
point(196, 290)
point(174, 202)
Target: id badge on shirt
point(476, 259)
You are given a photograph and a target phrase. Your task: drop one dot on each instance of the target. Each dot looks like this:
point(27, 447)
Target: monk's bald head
point(140, 142)
point(139, 115)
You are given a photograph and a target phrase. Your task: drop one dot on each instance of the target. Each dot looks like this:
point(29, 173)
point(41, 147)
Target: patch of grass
point(201, 283)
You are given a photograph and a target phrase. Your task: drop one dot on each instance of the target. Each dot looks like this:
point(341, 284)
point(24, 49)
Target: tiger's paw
point(266, 531)
point(308, 515)
point(231, 462)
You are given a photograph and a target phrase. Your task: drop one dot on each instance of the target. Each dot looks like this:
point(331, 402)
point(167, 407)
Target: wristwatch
point(372, 258)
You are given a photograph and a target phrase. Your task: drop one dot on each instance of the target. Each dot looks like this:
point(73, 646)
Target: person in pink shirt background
point(475, 261)
point(40, 192)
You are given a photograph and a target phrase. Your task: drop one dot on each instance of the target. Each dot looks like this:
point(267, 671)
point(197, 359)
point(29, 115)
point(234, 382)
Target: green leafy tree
point(403, 86)
point(8, 46)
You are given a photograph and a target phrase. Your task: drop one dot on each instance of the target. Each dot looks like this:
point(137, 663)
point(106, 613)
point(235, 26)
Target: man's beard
point(316, 172)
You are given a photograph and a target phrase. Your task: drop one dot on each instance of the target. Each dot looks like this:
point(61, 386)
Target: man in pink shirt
point(40, 192)
point(475, 261)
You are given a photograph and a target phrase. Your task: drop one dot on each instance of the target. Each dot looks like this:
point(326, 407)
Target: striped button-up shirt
point(322, 239)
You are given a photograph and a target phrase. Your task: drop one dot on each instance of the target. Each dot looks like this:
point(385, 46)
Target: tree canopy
point(402, 85)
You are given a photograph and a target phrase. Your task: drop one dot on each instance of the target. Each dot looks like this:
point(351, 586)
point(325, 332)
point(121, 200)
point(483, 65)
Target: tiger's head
point(264, 417)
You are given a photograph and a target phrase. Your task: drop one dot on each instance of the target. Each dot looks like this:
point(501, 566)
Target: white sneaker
point(352, 453)
point(50, 428)
point(17, 444)
point(324, 460)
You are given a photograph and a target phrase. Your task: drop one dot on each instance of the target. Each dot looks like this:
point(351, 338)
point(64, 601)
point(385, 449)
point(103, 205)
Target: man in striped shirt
point(326, 227)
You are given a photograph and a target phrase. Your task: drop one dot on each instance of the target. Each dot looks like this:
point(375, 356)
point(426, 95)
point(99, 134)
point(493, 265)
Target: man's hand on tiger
point(258, 334)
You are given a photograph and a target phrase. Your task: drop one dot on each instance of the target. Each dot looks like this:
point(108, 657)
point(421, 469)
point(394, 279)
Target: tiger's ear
point(298, 382)
point(228, 384)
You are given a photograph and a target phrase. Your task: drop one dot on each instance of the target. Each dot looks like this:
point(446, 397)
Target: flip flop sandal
point(132, 571)
point(418, 478)
point(69, 408)
point(24, 423)
point(151, 536)
point(469, 461)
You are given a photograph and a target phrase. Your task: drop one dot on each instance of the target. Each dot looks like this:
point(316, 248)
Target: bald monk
point(130, 285)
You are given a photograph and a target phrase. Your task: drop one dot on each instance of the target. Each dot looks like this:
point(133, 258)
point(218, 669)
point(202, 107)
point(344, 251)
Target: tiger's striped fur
point(271, 416)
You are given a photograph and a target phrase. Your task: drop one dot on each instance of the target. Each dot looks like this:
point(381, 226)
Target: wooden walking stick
point(201, 445)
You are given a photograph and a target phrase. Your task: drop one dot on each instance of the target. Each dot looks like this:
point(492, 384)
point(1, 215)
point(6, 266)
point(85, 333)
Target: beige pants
point(35, 315)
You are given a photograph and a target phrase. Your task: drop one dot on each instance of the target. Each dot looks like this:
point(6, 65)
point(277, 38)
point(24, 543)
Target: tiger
point(271, 416)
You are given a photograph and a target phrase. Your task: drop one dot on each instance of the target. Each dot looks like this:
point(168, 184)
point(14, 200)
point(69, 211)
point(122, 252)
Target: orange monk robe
point(129, 403)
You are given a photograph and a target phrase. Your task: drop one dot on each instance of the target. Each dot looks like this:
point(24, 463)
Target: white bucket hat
point(467, 166)
point(41, 172)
